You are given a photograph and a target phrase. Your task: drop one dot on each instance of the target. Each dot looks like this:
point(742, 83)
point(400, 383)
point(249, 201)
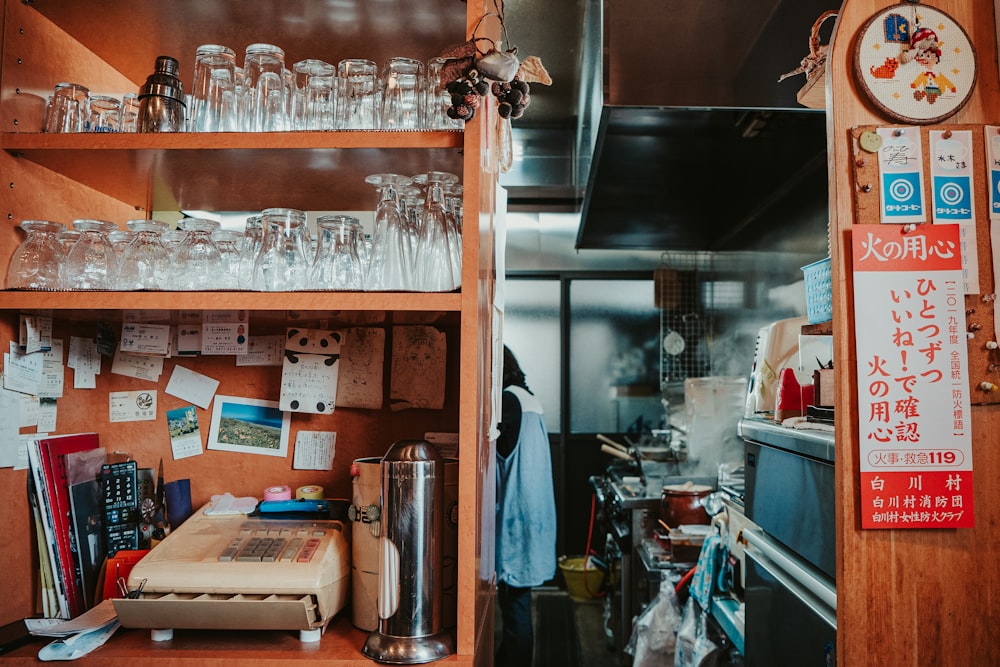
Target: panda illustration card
point(309, 370)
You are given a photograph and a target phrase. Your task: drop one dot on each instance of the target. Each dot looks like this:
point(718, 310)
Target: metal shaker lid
point(412, 450)
point(164, 82)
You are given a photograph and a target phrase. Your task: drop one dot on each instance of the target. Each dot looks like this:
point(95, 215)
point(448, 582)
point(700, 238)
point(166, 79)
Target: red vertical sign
point(913, 389)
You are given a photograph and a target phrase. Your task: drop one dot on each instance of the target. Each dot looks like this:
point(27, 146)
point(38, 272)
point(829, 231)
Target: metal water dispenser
point(411, 546)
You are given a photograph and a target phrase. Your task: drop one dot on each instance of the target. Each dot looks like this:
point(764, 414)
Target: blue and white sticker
point(953, 196)
point(901, 171)
point(993, 168)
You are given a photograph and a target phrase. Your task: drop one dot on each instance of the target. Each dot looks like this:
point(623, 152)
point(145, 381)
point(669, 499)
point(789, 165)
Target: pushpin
point(911, 227)
point(992, 345)
point(989, 386)
point(989, 298)
point(975, 326)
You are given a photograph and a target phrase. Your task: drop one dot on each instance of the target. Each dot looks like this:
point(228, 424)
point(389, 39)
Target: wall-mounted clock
point(915, 63)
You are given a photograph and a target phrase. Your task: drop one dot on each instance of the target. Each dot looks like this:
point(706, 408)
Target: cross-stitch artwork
point(915, 63)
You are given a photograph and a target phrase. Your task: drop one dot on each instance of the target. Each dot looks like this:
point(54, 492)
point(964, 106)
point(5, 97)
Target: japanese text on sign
point(915, 439)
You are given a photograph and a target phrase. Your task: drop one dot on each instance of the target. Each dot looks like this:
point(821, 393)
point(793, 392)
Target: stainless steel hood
point(677, 134)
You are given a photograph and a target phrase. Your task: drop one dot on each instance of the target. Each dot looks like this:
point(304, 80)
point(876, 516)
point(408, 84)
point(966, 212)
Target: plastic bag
point(693, 644)
point(654, 632)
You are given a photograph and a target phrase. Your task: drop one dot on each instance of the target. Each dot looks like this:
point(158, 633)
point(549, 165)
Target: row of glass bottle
point(415, 246)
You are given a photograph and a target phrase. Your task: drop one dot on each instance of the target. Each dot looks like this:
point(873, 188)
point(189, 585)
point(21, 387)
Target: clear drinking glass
point(92, 263)
point(213, 96)
point(402, 100)
point(389, 267)
point(68, 110)
point(197, 262)
point(264, 88)
point(105, 114)
point(357, 94)
point(433, 267)
point(228, 242)
point(337, 265)
point(314, 101)
point(130, 112)
point(38, 262)
point(68, 239)
point(282, 264)
point(453, 208)
point(439, 99)
point(253, 237)
point(145, 264)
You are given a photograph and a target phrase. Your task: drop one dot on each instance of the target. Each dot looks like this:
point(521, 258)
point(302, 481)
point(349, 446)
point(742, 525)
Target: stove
point(627, 514)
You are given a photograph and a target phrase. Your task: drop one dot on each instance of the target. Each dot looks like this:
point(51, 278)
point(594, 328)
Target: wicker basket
point(819, 291)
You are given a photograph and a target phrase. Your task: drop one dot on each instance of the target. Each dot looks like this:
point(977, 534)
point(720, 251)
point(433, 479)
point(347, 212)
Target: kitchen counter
point(812, 443)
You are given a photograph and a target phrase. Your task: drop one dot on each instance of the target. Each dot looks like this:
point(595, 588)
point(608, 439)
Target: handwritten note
point(314, 450)
point(309, 371)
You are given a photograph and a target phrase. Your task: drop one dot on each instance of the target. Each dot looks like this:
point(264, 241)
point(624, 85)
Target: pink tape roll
point(282, 492)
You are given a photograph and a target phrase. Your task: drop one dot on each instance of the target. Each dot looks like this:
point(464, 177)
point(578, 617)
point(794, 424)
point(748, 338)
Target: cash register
point(284, 568)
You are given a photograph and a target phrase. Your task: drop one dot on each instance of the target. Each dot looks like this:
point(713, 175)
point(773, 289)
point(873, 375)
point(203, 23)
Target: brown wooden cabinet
point(110, 47)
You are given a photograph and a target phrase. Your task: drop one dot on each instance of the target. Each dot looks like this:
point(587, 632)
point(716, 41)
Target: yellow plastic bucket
point(583, 580)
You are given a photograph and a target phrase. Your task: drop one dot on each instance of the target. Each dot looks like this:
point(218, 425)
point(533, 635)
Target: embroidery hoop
point(890, 84)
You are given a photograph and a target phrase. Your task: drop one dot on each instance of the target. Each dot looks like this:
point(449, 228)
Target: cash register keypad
point(271, 546)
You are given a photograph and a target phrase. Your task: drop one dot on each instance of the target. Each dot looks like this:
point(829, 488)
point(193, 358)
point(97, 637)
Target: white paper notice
point(191, 386)
point(22, 372)
point(47, 409)
point(185, 436)
point(85, 360)
point(309, 371)
point(224, 338)
point(132, 406)
point(35, 333)
point(10, 439)
point(187, 340)
point(314, 450)
point(53, 371)
point(141, 366)
point(145, 338)
point(29, 410)
point(263, 351)
point(359, 381)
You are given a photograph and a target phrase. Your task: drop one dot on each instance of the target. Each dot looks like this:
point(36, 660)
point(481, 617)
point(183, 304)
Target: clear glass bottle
point(37, 263)
point(145, 264)
point(92, 263)
point(282, 264)
point(337, 265)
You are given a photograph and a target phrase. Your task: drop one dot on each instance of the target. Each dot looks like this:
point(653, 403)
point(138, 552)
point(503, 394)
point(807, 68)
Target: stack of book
point(65, 496)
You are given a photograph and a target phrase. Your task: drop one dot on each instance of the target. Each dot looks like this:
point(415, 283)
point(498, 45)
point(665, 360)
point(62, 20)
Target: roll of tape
point(310, 492)
point(282, 492)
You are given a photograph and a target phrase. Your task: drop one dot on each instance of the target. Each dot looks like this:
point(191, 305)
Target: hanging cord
point(586, 554)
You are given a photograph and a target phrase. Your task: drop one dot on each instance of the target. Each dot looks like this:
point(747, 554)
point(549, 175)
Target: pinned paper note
point(192, 386)
point(132, 406)
point(314, 450)
point(309, 371)
point(359, 381)
point(185, 436)
point(418, 368)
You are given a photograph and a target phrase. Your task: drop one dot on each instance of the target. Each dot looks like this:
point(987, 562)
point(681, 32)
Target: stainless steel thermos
point(161, 99)
point(411, 548)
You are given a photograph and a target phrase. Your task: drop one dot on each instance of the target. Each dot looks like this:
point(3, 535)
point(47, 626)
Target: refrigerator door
point(791, 608)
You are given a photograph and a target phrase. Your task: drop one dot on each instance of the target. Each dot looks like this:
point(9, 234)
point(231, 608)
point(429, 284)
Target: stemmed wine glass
point(389, 267)
point(434, 268)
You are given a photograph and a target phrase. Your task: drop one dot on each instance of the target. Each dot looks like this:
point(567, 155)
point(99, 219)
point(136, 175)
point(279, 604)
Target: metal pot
point(680, 504)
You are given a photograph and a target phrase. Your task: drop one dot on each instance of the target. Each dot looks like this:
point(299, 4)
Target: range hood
point(688, 141)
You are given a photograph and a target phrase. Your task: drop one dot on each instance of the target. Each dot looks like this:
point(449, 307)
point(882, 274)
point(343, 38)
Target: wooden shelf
point(264, 301)
point(341, 644)
point(238, 171)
